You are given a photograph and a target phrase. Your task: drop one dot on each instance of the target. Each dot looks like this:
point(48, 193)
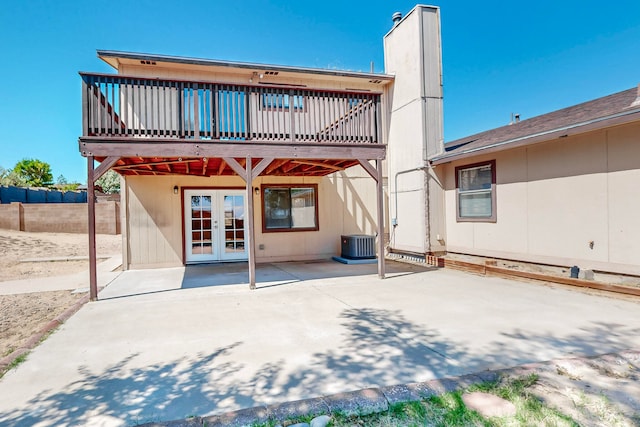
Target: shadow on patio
point(378, 347)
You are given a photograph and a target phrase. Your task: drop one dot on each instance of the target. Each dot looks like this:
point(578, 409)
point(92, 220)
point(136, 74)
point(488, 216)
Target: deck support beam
point(260, 167)
point(105, 166)
point(91, 204)
point(237, 168)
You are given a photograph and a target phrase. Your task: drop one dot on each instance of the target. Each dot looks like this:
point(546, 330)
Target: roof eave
point(111, 57)
point(617, 119)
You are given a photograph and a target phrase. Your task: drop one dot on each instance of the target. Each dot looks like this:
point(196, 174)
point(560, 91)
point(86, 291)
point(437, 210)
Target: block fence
point(59, 217)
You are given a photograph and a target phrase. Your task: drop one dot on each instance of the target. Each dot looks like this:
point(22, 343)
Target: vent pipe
point(396, 18)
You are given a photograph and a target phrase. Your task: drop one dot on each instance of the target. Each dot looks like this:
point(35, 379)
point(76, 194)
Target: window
point(289, 208)
point(476, 192)
point(282, 101)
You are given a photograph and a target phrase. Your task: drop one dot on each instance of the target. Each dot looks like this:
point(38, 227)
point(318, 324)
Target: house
point(557, 189)
point(227, 161)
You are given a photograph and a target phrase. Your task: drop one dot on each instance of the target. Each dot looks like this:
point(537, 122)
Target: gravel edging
point(371, 400)
point(29, 344)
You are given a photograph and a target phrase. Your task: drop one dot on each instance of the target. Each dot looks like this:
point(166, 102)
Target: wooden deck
point(148, 126)
point(158, 126)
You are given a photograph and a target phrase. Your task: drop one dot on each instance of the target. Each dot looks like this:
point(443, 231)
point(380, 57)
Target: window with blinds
point(475, 191)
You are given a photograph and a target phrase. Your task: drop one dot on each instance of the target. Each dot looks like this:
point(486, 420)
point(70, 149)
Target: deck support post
point(250, 239)
point(376, 174)
point(91, 204)
point(380, 197)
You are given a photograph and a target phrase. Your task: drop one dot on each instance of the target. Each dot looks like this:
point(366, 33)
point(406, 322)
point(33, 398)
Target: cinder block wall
point(11, 216)
point(59, 217)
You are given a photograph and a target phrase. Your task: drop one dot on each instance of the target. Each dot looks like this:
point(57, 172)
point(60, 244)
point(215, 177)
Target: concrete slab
point(166, 344)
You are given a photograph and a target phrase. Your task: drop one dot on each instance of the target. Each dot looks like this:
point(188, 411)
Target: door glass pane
point(233, 224)
point(201, 238)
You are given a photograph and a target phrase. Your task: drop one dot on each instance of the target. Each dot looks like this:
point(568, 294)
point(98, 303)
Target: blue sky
point(499, 57)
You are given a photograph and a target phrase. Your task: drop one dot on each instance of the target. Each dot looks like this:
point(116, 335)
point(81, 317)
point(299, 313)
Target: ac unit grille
point(358, 246)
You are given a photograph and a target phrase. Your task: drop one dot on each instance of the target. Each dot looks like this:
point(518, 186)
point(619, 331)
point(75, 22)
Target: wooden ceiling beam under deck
point(288, 168)
point(143, 163)
point(275, 165)
point(318, 164)
point(222, 166)
point(205, 163)
point(219, 166)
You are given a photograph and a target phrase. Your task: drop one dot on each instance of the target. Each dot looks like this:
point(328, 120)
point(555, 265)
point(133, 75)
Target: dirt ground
point(16, 246)
point(24, 314)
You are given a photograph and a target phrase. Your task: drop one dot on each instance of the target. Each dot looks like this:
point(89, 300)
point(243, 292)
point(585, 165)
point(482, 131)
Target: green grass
point(448, 410)
point(17, 361)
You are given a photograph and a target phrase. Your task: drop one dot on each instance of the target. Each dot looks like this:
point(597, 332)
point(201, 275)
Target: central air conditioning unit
point(358, 246)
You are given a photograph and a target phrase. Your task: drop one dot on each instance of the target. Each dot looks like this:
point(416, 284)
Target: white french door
point(214, 225)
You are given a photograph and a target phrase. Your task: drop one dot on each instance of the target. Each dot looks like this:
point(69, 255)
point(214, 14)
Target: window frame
point(265, 187)
point(493, 217)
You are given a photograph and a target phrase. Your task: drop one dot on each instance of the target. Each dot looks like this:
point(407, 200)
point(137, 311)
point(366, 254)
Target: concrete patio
point(168, 343)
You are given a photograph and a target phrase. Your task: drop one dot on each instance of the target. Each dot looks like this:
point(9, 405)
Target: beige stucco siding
point(346, 205)
point(623, 182)
point(555, 198)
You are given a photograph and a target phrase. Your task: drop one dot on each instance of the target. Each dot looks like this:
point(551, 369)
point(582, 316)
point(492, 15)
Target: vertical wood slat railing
point(118, 106)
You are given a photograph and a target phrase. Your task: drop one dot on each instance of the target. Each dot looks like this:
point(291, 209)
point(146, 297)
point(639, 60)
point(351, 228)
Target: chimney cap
point(396, 17)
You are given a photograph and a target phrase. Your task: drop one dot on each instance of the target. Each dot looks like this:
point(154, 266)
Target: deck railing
point(118, 106)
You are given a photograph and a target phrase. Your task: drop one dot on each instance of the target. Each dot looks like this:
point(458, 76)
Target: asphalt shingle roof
point(586, 112)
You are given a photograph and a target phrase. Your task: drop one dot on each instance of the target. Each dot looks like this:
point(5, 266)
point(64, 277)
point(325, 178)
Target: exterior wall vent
point(358, 246)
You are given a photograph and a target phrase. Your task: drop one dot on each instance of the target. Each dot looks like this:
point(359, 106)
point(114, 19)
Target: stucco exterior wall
point(554, 199)
point(154, 215)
